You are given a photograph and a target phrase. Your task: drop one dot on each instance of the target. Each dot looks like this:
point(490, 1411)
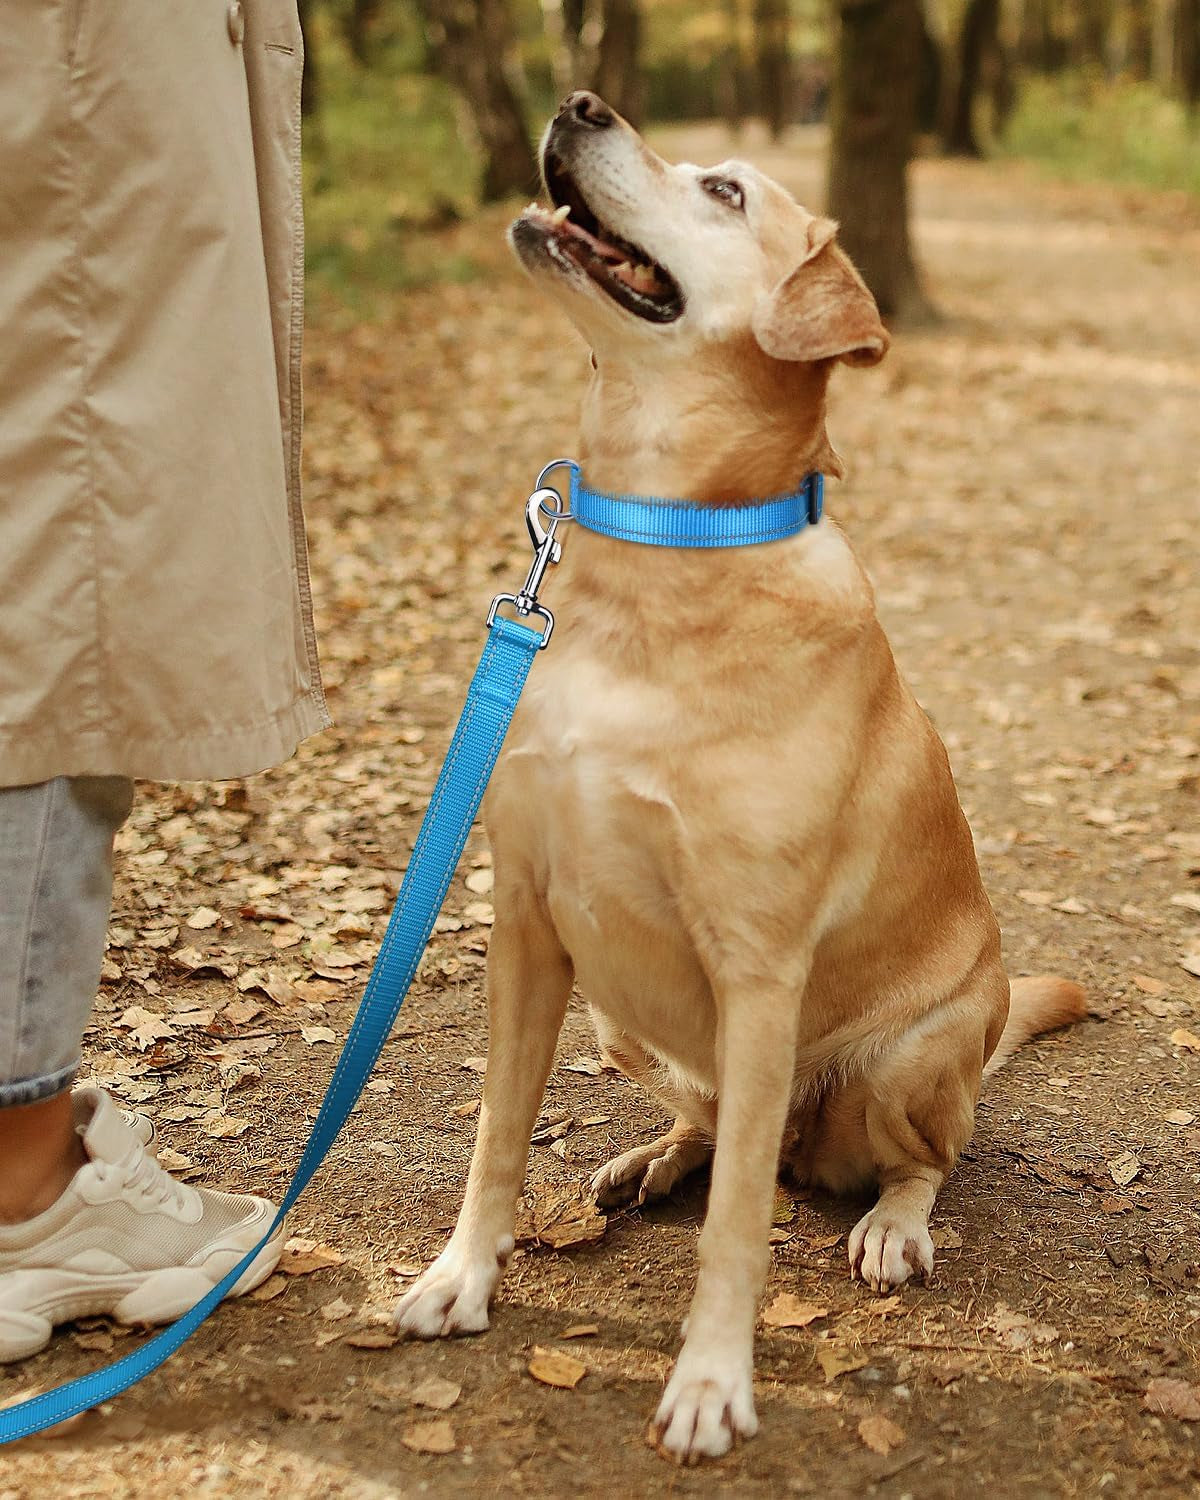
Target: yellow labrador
point(720, 807)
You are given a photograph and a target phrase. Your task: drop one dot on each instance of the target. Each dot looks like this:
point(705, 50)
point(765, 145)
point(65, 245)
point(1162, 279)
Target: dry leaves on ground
point(553, 1367)
point(787, 1311)
point(1173, 1398)
point(436, 1436)
point(881, 1435)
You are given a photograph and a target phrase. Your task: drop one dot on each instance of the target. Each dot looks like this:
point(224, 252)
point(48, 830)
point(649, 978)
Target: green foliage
point(385, 162)
point(1083, 128)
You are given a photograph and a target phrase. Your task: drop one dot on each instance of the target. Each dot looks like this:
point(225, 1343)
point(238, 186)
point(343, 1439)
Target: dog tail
point(1038, 1004)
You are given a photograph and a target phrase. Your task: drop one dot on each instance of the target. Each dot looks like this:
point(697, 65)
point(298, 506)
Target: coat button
point(237, 22)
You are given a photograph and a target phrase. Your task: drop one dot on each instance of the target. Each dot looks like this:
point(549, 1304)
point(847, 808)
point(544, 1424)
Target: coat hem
point(221, 756)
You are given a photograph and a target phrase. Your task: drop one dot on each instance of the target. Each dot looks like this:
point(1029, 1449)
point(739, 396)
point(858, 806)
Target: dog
point(720, 807)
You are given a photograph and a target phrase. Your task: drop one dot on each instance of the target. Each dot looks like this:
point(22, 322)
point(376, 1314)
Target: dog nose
point(587, 109)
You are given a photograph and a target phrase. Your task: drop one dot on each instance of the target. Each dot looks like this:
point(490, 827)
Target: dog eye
point(727, 190)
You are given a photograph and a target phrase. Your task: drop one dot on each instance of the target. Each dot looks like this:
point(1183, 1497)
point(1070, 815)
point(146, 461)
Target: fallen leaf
point(225, 1127)
point(559, 1216)
point(946, 1239)
point(469, 1108)
point(1189, 900)
point(318, 1034)
point(372, 1338)
point(480, 881)
point(479, 912)
point(1188, 1040)
point(1072, 906)
point(552, 1367)
point(836, 1359)
point(580, 1331)
point(1179, 1117)
point(1148, 985)
point(592, 1066)
point(881, 1435)
point(885, 1307)
point(474, 1064)
point(335, 1311)
point(239, 1012)
point(1190, 962)
point(1016, 1331)
point(202, 918)
point(787, 1311)
point(435, 1393)
point(302, 1257)
point(1036, 898)
point(273, 1287)
point(1173, 1398)
point(1124, 1168)
point(145, 1028)
point(430, 1437)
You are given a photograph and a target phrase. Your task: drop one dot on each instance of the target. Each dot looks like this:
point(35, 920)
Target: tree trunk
point(977, 40)
point(616, 78)
point(772, 62)
point(1140, 38)
point(308, 78)
point(472, 42)
point(1187, 33)
point(873, 116)
point(729, 70)
point(357, 24)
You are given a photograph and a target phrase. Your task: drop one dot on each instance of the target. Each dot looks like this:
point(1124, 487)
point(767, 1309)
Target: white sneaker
point(124, 1239)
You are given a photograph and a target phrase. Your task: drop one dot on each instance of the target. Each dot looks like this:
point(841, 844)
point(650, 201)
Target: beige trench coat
point(155, 614)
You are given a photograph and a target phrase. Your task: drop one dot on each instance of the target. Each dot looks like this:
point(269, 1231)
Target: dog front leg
point(528, 981)
point(709, 1399)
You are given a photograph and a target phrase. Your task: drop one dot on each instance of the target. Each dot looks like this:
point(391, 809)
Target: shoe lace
point(142, 1174)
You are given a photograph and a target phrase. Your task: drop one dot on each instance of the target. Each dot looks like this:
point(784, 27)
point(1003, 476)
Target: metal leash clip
point(545, 503)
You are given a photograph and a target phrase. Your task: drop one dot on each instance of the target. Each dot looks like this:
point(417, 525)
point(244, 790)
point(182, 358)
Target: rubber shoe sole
point(132, 1297)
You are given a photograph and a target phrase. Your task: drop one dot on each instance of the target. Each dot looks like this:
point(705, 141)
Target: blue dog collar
point(681, 523)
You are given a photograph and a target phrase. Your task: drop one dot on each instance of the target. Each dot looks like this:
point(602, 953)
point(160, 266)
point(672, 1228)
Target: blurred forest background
point(419, 111)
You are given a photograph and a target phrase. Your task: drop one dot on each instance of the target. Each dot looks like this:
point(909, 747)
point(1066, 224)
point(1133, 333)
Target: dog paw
point(452, 1296)
point(887, 1248)
point(708, 1403)
point(648, 1172)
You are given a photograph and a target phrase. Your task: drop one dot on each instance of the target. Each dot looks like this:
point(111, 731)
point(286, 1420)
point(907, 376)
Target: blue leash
point(482, 726)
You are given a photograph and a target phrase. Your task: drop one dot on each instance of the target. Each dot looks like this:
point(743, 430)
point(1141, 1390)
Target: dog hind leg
point(653, 1170)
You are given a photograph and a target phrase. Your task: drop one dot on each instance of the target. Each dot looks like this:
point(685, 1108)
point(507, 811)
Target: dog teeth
point(559, 214)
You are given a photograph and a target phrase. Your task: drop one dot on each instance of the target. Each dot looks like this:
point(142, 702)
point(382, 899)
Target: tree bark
point(309, 95)
point(472, 44)
point(873, 118)
point(616, 78)
point(1187, 52)
point(773, 63)
point(357, 22)
point(977, 40)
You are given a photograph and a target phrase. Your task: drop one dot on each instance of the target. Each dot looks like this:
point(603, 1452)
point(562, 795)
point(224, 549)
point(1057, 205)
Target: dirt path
point(1024, 486)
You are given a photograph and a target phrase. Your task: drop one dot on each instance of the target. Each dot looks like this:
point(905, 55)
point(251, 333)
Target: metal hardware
point(546, 503)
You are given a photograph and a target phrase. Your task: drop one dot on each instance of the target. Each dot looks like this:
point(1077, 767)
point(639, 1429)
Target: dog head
point(683, 257)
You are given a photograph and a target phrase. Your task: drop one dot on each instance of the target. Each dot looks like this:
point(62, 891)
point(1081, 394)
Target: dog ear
point(822, 309)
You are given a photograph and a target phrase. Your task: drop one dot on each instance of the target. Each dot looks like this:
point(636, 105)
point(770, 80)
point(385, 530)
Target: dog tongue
point(600, 247)
point(640, 278)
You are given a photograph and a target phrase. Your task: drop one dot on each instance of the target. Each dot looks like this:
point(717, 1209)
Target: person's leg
point(90, 1222)
point(55, 892)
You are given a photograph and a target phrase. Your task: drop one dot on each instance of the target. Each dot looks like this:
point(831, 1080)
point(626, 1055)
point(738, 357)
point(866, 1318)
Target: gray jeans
point(56, 843)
